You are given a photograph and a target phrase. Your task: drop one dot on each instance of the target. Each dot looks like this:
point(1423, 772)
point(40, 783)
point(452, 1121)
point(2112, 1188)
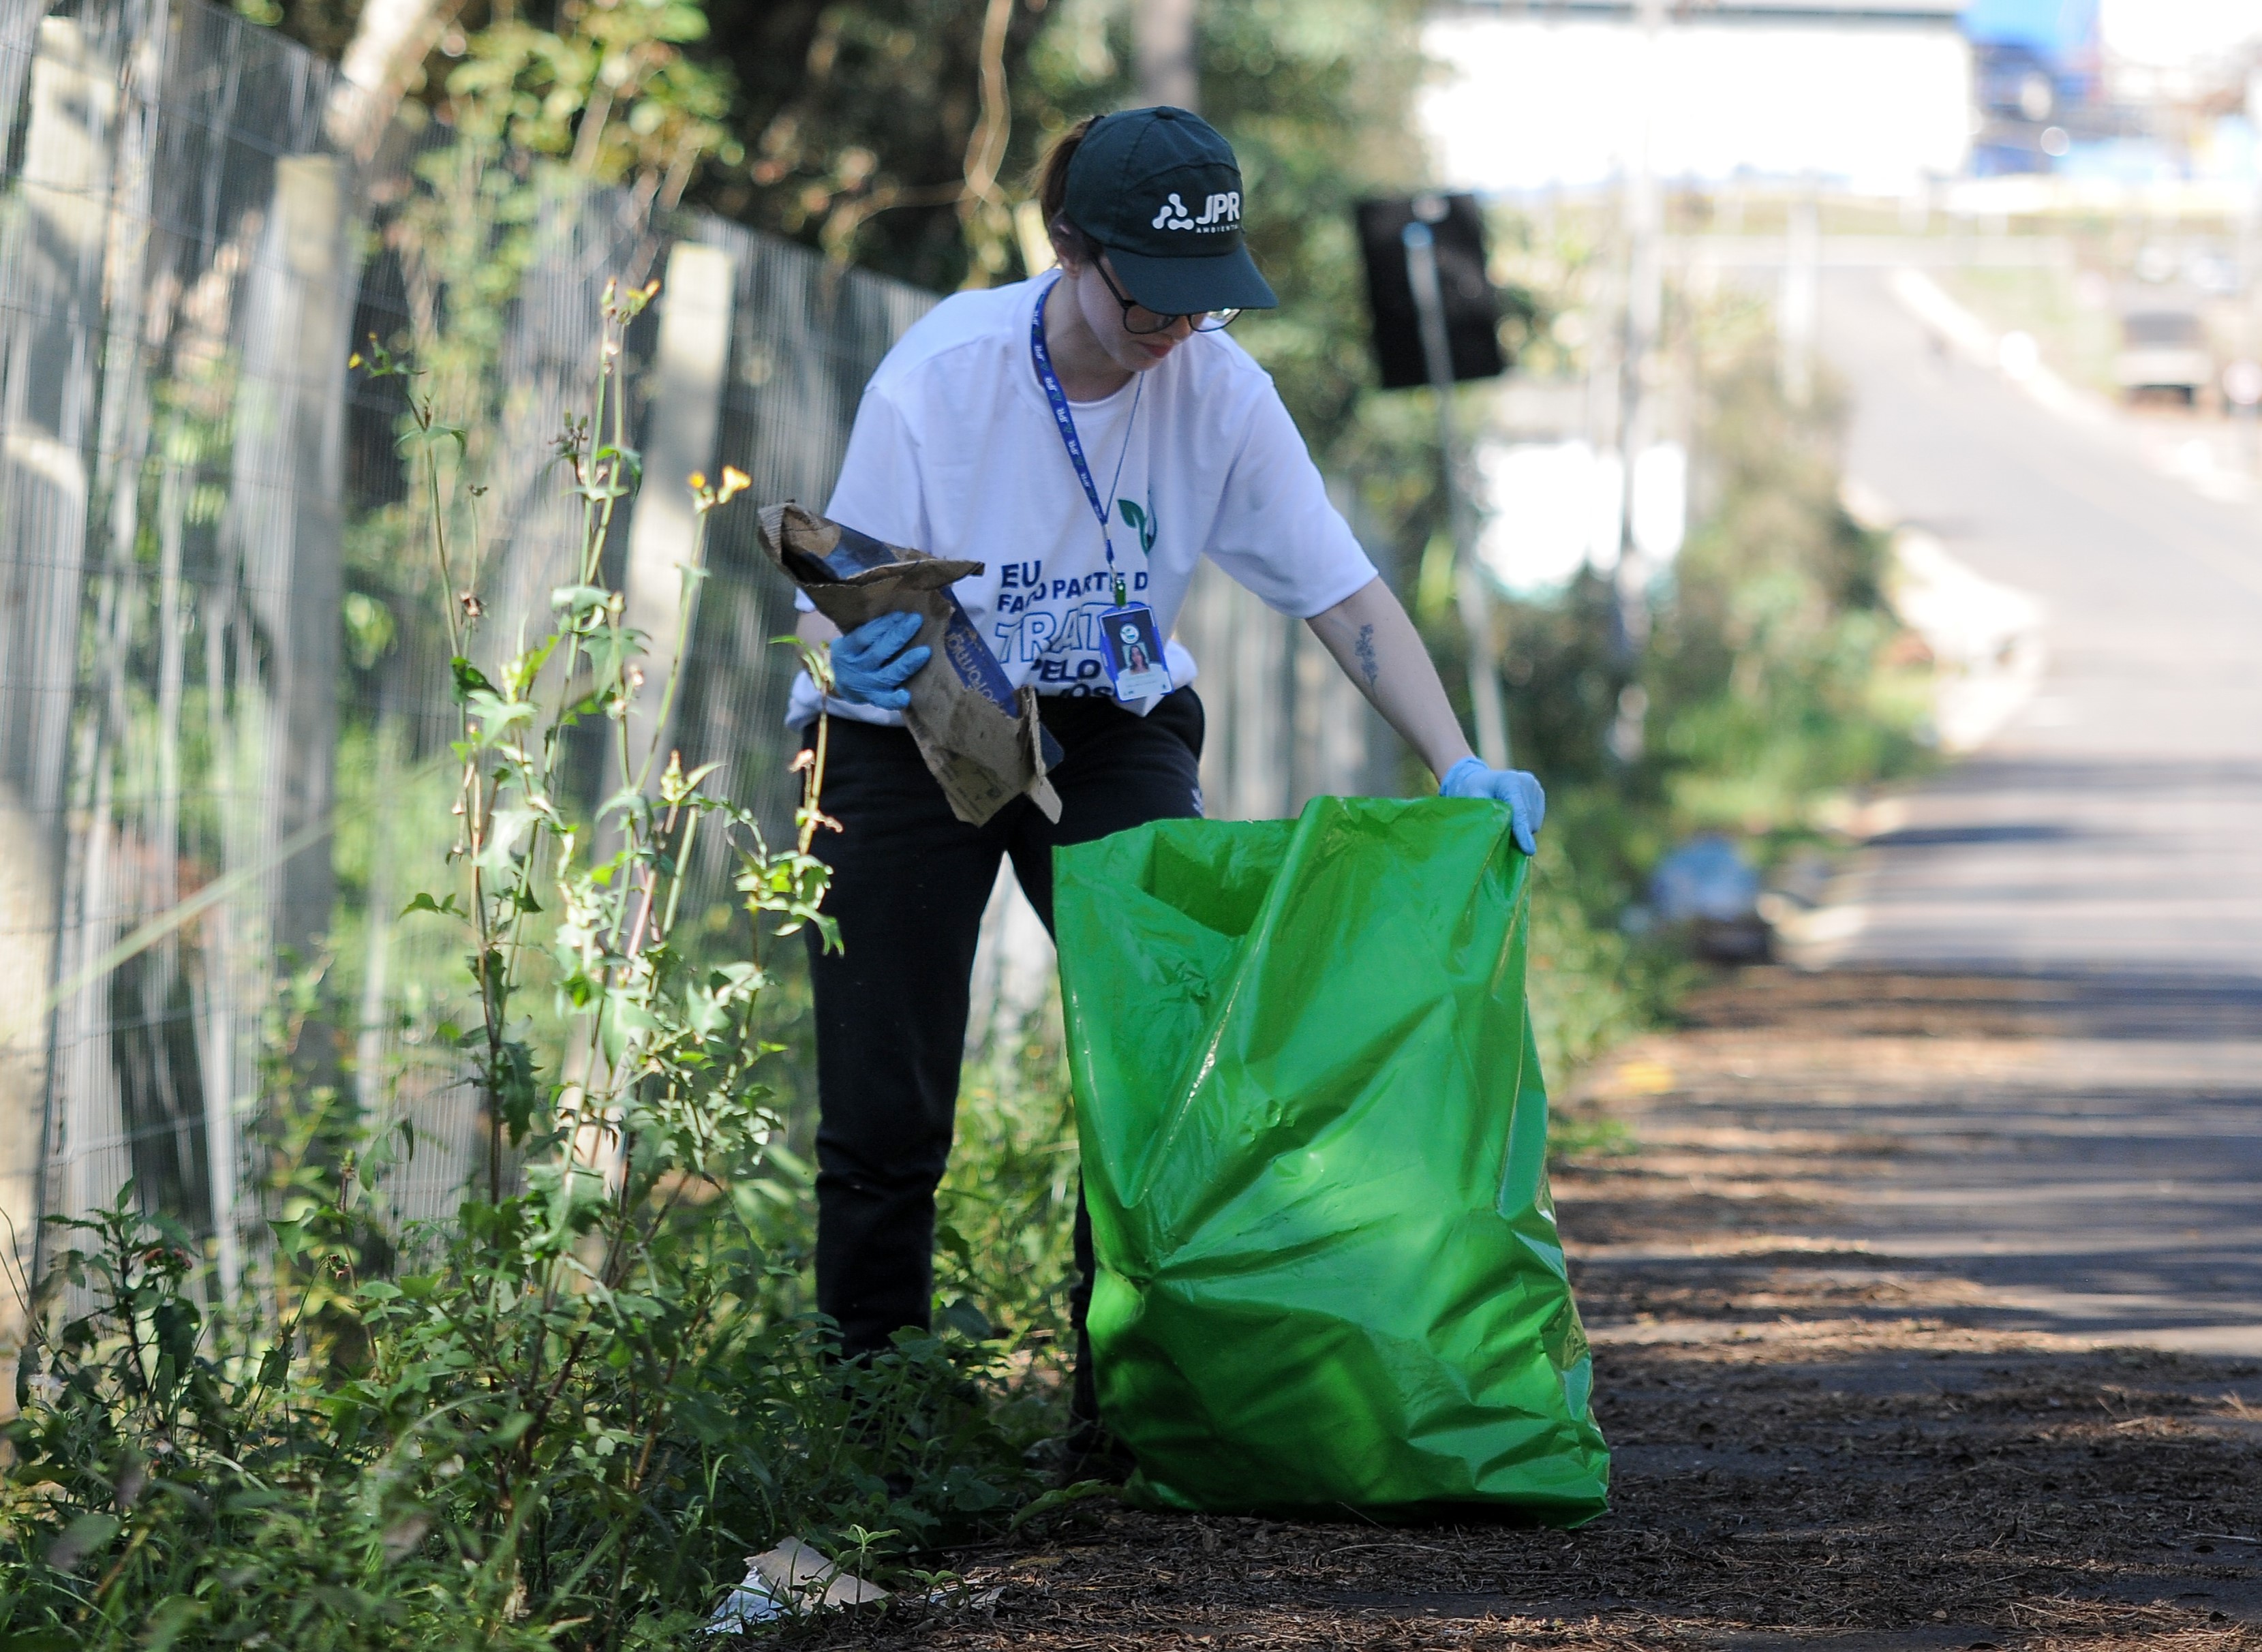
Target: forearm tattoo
point(1368, 664)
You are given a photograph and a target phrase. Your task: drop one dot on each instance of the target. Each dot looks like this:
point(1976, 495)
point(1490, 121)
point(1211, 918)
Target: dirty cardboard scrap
point(792, 1578)
point(797, 1578)
point(980, 737)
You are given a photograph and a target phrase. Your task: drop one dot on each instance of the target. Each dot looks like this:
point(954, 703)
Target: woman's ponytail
point(1052, 183)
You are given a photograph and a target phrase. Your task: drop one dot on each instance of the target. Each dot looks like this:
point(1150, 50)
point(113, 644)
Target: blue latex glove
point(870, 664)
point(1527, 804)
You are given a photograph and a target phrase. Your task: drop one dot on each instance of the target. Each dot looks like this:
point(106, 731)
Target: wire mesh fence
point(224, 717)
point(223, 699)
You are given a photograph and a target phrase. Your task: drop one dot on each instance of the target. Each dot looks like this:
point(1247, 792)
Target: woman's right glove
point(1527, 804)
point(870, 664)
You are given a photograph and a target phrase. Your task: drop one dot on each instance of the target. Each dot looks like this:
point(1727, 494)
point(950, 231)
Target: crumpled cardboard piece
point(792, 1578)
point(801, 1572)
point(980, 736)
point(796, 1579)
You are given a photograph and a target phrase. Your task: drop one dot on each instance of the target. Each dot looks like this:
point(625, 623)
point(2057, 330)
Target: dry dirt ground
point(1829, 1428)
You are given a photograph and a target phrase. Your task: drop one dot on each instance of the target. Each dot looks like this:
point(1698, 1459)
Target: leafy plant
point(1006, 1209)
point(562, 1418)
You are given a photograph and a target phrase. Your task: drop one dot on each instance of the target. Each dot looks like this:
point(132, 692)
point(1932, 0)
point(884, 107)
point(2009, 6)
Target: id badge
point(1134, 651)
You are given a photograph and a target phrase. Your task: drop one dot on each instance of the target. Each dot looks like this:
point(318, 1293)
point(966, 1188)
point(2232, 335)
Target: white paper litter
point(795, 1577)
point(792, 1578)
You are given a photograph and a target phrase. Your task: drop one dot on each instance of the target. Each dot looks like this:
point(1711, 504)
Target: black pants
point(910, 882)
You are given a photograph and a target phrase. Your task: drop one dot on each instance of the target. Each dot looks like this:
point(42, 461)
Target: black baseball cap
point(1161, 190)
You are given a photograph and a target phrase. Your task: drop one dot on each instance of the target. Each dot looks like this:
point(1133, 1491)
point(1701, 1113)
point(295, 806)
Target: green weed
point(575, 1409)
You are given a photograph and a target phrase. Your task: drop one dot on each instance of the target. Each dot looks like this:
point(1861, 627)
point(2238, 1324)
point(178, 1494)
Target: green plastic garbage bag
point(1315, 1148)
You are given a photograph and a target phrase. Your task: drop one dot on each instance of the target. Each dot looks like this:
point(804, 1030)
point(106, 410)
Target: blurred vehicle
point(2212, 272)
point(2017, 94)
point(2162, 351)
point(2156, 264)
point(1707, 893)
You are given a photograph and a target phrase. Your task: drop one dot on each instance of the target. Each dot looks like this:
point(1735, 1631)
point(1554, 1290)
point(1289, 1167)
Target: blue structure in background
point(2035, 67)
point(2058, 29)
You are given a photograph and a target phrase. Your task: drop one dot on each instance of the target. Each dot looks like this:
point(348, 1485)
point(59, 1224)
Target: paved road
point(2117, 822)
point(2103, 850)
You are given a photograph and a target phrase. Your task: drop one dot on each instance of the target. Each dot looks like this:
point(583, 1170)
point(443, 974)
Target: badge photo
point(1135, 652)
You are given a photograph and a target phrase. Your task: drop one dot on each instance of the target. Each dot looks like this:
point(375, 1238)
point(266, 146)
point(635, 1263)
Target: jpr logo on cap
point(1218, 212)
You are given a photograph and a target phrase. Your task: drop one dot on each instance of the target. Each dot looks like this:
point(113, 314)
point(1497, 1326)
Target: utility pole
point(1163, 53)
point(1468, 585)
point(1795, 312)
point(1645, 308)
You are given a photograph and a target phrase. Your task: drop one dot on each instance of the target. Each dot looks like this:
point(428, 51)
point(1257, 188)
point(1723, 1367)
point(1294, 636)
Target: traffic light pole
point(1468, 584)
point(1645, 302)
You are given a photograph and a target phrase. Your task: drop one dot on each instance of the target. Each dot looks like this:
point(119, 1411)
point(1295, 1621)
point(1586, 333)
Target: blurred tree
point(1768, 670)
point(880, 130)
point(1768, 679)
point(610, 88)
point(327, 26)
point(1316, 98)
point(897, 134)
point(379, 65)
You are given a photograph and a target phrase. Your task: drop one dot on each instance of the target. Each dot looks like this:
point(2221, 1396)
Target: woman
point(1087, 436)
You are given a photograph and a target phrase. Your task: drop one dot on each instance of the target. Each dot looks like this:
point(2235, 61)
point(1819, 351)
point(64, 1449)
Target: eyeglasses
point(1137, 318)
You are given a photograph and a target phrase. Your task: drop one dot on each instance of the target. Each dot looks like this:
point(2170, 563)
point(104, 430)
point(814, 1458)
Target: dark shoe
point(1089, 1451)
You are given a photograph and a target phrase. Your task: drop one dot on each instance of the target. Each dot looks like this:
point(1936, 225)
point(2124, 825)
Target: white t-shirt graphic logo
point(955, 452)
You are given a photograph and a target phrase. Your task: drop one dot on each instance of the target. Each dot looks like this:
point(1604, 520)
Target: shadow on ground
point(1858, 1292)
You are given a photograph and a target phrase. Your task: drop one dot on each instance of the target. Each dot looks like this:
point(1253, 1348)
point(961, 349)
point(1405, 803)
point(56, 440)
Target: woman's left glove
point(1527, 804)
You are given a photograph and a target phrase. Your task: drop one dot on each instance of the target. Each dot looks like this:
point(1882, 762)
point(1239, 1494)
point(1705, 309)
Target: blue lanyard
point(1066, 420)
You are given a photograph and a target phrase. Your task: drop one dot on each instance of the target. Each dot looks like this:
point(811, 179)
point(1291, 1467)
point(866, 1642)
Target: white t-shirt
point(955, 453)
